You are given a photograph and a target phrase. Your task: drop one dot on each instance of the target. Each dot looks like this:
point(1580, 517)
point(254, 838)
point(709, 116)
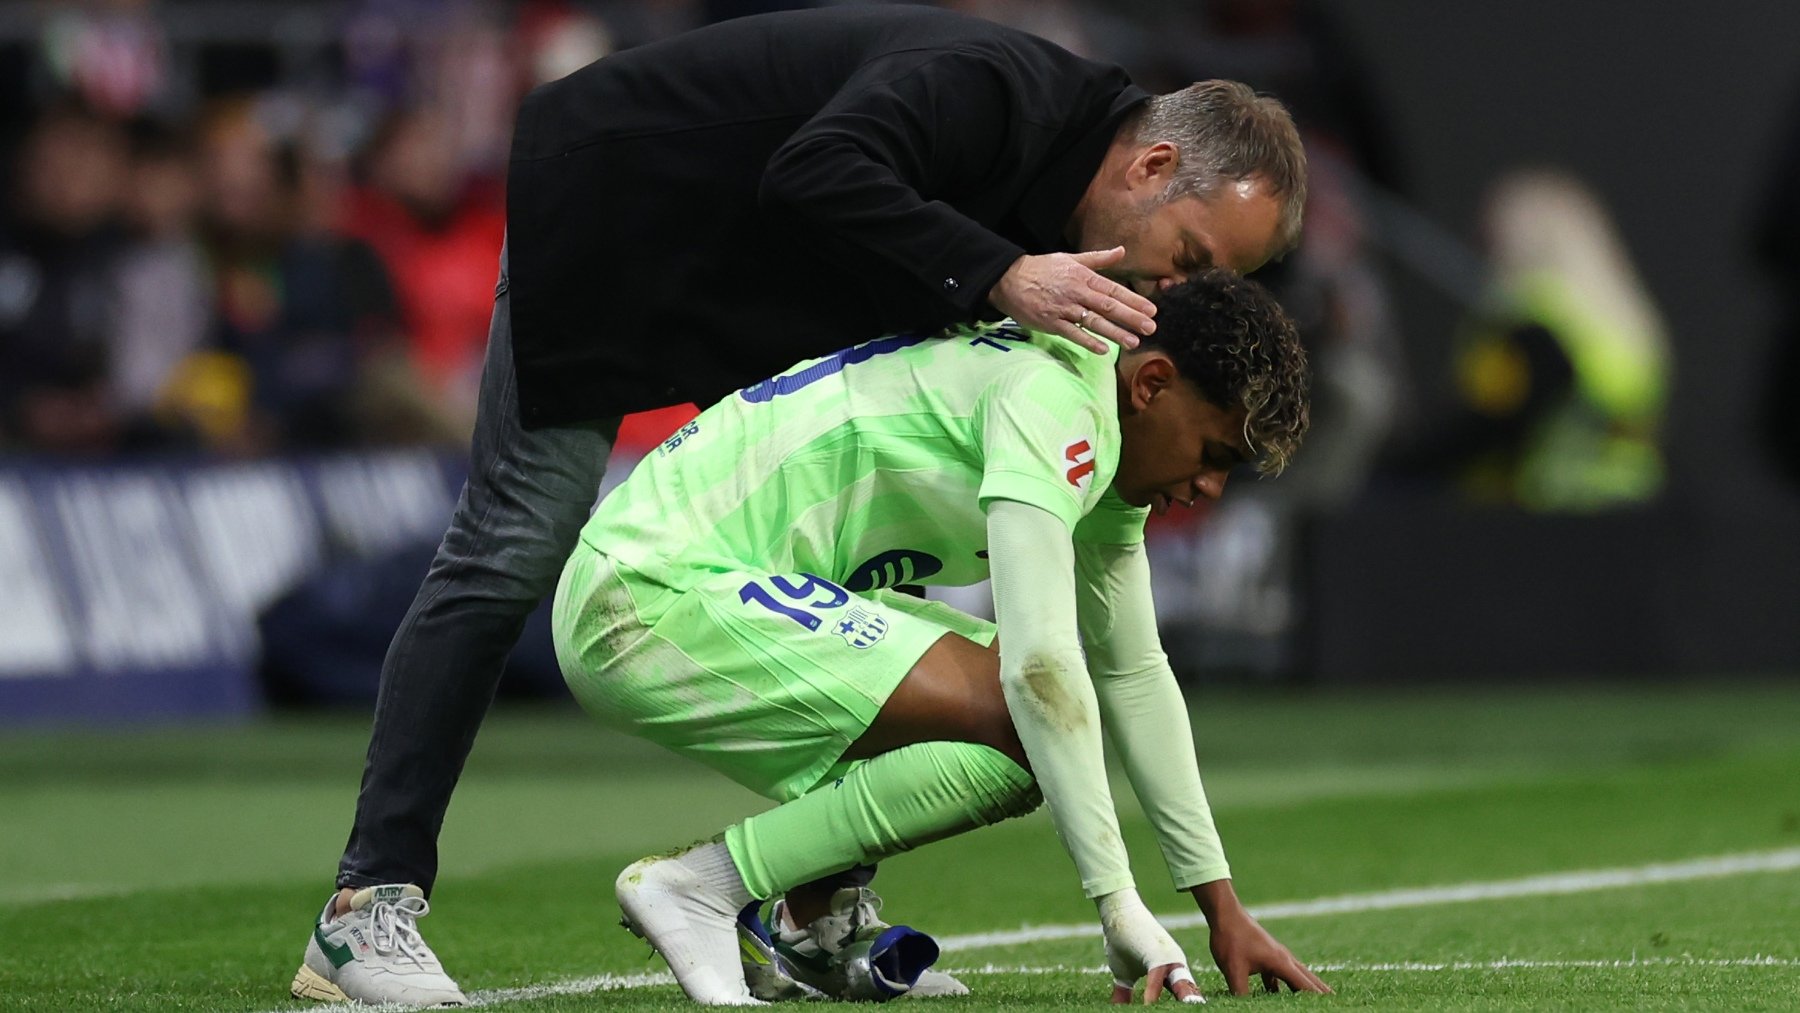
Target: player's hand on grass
point(1242, 947)
point(1061, 293)
point(1138, 947)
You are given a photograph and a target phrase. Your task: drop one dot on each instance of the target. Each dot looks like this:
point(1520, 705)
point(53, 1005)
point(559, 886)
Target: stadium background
point(236, 369)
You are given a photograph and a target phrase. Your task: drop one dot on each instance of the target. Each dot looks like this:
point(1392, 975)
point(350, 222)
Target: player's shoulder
point(1035, 364)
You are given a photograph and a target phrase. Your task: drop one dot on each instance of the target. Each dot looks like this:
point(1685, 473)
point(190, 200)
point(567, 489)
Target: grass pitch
point(178, 869)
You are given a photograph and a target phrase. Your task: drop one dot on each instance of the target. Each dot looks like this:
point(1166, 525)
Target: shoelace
point(866, 912)
point(394, 928)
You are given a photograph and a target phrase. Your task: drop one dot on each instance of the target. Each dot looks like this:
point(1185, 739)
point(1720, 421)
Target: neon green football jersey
point(872, 467)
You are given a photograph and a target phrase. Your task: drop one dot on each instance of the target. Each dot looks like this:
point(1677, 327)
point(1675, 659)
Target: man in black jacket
point(697, 214)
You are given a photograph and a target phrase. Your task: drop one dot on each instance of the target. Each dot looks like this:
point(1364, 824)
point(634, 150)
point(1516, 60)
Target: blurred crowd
point(229, 229)
point(265, 260)
point(245, 228)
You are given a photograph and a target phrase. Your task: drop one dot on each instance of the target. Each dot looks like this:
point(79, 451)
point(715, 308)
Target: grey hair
point(1227, 133)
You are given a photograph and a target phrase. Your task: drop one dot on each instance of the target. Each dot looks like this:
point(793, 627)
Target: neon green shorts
point(766, 678)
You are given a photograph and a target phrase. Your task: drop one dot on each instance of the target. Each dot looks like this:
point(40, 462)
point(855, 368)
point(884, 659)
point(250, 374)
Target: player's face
point(1175, 446)
point(1166, 242)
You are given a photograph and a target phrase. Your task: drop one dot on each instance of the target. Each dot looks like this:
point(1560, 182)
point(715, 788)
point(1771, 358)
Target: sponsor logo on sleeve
point(1080, 456)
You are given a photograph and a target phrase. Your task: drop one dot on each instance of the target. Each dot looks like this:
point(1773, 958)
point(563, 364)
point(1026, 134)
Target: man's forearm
point(1217, 899)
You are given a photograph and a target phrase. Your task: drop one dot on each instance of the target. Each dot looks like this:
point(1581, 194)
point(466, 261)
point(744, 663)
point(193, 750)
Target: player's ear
point(1151, 375)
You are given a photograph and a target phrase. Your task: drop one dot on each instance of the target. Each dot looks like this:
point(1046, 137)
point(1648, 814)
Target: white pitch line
point(1784, 860)
point(1532, 886)
point(1502, 964)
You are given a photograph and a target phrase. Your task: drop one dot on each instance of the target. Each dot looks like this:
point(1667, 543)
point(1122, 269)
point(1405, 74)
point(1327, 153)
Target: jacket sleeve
point(871, 177)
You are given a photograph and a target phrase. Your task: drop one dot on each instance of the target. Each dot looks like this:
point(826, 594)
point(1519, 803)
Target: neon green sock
point(892, 803)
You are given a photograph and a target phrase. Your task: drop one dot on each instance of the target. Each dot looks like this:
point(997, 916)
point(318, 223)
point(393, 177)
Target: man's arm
point(1143, 709)
point(873, 175)
point(1055, 712)
point(1146, 717)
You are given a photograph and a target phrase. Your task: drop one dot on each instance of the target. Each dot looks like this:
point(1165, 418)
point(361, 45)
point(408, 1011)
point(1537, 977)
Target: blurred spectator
point(301, 317)
point(1563, 375)
point(113, 54)
point(439, 236)
point(559, 39)
point(58, 244)
point(162, 283)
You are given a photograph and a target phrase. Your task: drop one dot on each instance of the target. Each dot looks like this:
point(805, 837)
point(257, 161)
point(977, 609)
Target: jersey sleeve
point(1040, 434)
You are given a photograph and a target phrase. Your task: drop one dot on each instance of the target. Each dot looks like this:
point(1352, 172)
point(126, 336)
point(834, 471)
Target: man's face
point(1168, 241)
point(1175, 446)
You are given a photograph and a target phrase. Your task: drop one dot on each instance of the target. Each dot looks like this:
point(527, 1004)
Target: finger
point(1297, 975)
point(1182, 983)
point(1153, 982)
point(1100, 258)
point(1272, 983)
point(1068, 329)
point(1237, 978)
point(1129, 300)
point(1121, 336)
point(1121, 994)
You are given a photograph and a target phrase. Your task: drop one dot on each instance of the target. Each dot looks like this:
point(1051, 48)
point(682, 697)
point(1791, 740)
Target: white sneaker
point(850, 953)
point(373, 953)
point(677, 903)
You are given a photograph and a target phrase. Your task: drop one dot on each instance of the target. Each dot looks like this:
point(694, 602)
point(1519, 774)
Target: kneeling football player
point(733, 601)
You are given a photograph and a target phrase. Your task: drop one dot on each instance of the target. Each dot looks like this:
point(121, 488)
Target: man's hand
point(1137, 946)
point(1241, 947)
point(1060, 293)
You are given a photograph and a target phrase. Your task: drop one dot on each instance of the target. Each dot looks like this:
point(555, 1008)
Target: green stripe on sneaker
point(337, 953)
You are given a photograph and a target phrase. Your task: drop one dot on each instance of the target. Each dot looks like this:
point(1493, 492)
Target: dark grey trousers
point(529, 493)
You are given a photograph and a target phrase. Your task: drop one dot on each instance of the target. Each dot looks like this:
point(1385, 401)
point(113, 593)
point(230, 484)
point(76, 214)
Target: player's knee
point(999, 786)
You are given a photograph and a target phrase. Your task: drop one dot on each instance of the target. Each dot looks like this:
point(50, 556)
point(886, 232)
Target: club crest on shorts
point(861, 628)
point(1080, 456)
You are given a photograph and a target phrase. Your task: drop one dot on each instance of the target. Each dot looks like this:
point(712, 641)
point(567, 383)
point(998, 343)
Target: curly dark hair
point(1232, 340)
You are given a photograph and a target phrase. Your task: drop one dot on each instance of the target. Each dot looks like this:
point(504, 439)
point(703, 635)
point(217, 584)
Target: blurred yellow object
point(1560, 265)
point(210, 391)
point(1493, 376)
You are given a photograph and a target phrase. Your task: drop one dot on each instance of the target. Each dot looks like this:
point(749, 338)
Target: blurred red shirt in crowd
point(439, 235)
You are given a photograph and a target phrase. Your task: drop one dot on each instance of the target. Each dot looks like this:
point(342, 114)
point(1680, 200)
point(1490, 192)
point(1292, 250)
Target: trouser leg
point(518, 517)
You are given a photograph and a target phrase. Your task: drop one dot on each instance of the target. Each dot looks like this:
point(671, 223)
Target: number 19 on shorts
point(795, 597)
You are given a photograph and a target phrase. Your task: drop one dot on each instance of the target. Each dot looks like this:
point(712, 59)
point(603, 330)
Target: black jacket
point(693, 215)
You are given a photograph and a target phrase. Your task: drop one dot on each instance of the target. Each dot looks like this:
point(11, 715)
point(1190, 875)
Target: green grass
point(177, 869)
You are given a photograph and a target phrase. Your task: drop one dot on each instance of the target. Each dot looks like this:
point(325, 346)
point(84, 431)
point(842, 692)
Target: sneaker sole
point(310, 984)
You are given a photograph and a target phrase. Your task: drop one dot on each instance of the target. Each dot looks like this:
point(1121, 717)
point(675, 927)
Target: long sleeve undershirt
point(1053, 706)
point(1143, 709)
point(1058, 711)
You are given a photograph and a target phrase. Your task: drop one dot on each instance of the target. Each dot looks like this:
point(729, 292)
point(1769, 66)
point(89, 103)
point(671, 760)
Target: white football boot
point(373, 953)
point(850, 953)
point(686, 906)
